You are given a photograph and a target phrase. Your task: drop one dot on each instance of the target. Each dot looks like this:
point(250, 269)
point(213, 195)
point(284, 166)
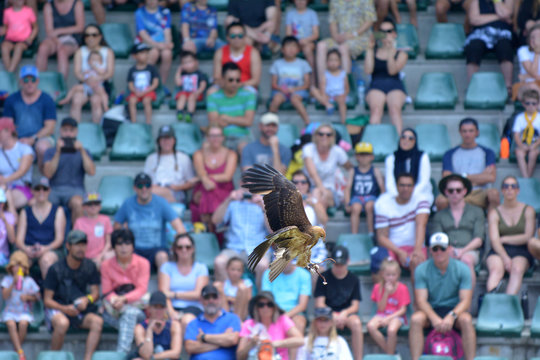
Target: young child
point(392, 298)
point(143, 80)
point(92, 76)
point(303, 23)
point(290, 78)
point(526, 131)
point(364, 184)
point(97, 228)
point(20, 30)
point(18, 291)
point(236, 290)
point(192, 83)
point(334, 87)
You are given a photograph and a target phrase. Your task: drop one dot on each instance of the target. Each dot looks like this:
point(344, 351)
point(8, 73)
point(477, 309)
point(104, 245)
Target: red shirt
point(137, 273)
point(244, 63)
point(395, 301)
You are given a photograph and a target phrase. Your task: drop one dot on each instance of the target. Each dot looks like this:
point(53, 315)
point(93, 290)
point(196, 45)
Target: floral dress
point(16, 309)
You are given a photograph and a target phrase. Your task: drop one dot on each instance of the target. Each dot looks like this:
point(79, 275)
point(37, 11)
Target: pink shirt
point(19, 23)
point(96, 230)
point(395, 301)
point(137, 273)
point(276, 331)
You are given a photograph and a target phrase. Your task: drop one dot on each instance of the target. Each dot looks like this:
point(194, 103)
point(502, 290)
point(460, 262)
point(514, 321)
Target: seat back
point(489, 137)
point(535, 321)
point(359, 246)
point(118, 36)
point(486, 90)
point(433, 139)
point(287, 134)
point(529, 192)
point(114, 190)
point(206, 248)
point(108, 355)
point(435, 357)
point(381, 357)
point(490, 357)
point(52, 83)
point(92, 137)
point(407, 38)
point(8, 82)
point(383, 137)
point(219, 5)
point(133, 141)
point(500, 315)
point(437, 90)
point(56, 355)
point(188, 137)
point(9, 355)
point(446, 41)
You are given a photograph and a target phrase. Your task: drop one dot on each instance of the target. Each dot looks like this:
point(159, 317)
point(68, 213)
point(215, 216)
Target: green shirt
point(443, 289)
point(471, 225)
point(237, 105)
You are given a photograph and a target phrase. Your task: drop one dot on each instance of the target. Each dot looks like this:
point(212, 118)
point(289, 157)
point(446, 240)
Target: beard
point(211, 309)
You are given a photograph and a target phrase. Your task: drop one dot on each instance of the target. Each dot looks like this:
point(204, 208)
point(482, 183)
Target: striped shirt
point(233, 106)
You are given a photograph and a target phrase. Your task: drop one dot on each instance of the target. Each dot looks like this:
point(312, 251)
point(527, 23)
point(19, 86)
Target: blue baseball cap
point(378, 254)
point(28, 70)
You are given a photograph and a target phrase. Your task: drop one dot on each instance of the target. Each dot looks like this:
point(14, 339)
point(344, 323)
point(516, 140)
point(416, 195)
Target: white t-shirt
point(423, 186)
point(525, 54)
point(165, 172)
point(520, 123)
point(400, 219)
point(326, 169)
point(336, 350)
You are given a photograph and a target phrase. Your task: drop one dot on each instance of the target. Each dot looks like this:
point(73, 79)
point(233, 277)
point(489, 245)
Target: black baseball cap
point(76, 236)
point(69, 121)
point(209, 290)
point(166, 131)
point(323, 312)
point(340, 254)
point(142, 178)
point(158, 298)
point(137, 48)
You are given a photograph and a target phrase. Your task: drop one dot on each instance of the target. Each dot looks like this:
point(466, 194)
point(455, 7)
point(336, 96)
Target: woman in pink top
point(268, 323)
point(20, 30)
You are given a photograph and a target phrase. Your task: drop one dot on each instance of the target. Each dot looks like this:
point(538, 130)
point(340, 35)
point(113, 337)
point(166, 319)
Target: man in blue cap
point(33, 112)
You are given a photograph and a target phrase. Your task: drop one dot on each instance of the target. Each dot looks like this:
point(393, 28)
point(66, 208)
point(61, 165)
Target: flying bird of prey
point(293, 235)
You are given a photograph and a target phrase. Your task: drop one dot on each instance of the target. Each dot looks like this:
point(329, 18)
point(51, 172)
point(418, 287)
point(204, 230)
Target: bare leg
point(46, 49)
point(243, 295)
point(395, 100)
point(296, 101)
point(191, 104)
point(534, 247)
point(382, 7)
point(345, 57)
point(75, 206)
point(321, 97)
point(165, 67)
point(495, 270)
point(147, 104)
point(276, 102)
point(13, 334)
point(341, 101)
point(471, 70)
point(370, 206)
point(373, 329)
point(441, 10)
point(531, 164)
point(521, 156)
point(46, 261)
point(17, 56)
point(23, 329)
point(220, 267)
point(78, 100)
point(419, 321)
point(7, 47)
point(356, 210)
point(94, 324)
point(391, 331)
point(181, 102)
point(60, 324)
point(469, 261)
point(99, 11)
point(468, 335)
point(411, 4)
point(507, 69)
point(520, 265)
point(357, 336)
point(132, 106)
point(62, 57)
point(322, 49)
point(161, 258)
point(376, 100)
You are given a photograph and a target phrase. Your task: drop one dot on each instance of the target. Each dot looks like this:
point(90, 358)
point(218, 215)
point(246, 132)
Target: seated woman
point(182, 280)
point(511, 225)
point(384, 62)
point(268, 324)
point(199, 27)
point(529, 74)
point(322, 160)
point(171, 171)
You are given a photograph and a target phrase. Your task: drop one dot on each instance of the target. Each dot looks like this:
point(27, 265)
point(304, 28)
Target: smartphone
point(69, 145)
point(247, 196)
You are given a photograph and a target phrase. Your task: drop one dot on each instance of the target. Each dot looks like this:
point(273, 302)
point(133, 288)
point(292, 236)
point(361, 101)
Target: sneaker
point(180, 115)
point(187, 117)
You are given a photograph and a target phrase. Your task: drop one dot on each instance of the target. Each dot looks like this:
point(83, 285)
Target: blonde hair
point(314, 136)
point(312, 335)
point(388, 263)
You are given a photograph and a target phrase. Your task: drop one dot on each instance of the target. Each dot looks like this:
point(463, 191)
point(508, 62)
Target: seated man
point(232, 108)
point(342, 295)
point(400, 222)
point(244, 214)
point(146, 215)
point(474, 162)
point(465, 224)
point(215, 333)
point(443, 296)
point(66, 166)
point(259, 17)
point(67, 301)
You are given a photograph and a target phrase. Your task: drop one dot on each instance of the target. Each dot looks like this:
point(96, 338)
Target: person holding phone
point(65, 166)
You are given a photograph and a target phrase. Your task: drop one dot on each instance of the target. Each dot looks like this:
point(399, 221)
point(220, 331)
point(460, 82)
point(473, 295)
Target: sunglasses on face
point(234, 80)
point(387, 31)
point(182, 247)
point(210, 296)
point(92, 34)
point(408, 137)
point(296, 182)
point(269, 305)
point(142, 186)
point(510, 186)
point(438, 248)
point(29, 79)
point(41, 188)
point(236, 36)
point(323, 319)
point(530, 103)
point(454, 190)
point(325, 134)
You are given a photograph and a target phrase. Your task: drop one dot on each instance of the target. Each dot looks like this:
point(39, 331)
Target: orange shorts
point(151, 95)
point(186, 94)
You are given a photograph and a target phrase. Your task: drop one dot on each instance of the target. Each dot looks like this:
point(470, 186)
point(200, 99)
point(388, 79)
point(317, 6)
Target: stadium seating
point(132, 142)
point(535, 321)
point(287, 134)
point(92, 137)
point(39, 316)
point(108, 355)
point(486, 90)
point(219, 5)
point(384, 139)
point(437, 90)
point(352, 97)
point(206, 249)
point(9, 355)
point(118, 36)
point(53, 84)
point(56, 355)
point(529, 192)
point(446, 41)
point(341, 129)
point(114, 189)
point(435, 357)
point(8, 82)
point(381, 357)
point(408, 39)
point(500, 315)
point(421, 5)
point(188, 137)
point(490, 357)
point(433, 139)
point(359, 246)
point(490, 138)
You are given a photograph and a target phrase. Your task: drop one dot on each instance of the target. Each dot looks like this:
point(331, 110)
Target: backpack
point(448, 344)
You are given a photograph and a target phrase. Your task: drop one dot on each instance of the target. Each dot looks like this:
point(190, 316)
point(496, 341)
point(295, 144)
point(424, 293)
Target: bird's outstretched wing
point(282, 201)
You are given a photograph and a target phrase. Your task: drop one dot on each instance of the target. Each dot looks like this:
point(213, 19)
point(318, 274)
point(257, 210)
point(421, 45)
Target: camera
point(69, 145)
point(247, 196)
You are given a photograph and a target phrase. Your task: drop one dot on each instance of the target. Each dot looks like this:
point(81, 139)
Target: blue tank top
point(39, 233)
point(364, 184)
point(163, 338)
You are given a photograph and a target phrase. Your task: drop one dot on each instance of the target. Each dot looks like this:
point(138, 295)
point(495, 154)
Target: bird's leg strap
point(315, 268)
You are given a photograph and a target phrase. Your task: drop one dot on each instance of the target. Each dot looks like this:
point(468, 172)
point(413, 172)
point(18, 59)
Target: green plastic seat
point(383, 137)
point(188, 137)
point(287, 134)
point(219, 5)
point(8, 82)
point(114, 190)
point(119, 38)
point(490, 138)
point(433, 139)
point(359, 246)
point(317, 5)
point(92, 137)
point(535, 321)
point(529, 192)
point(486, 90)
point(421, 5)
point(407, 37)
point(490, 357)
point(446, 41)
point(9, 355)
point(53, 84)
point(341, 129)
point(500, 315)
point(133, 141)
point(381, 357)
point(56, 355)
point(434, 357)
point(437, 90)
point(108, 355)
point(206, 248)
point(352, 97)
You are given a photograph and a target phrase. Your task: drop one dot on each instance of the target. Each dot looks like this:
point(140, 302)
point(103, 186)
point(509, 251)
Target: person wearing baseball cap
point(267, 149)
point(443, 294)
point(143, 81)
point(467, 237)
point(215, 327)
point(146, 214)
point(364, 184)
point(345, 306)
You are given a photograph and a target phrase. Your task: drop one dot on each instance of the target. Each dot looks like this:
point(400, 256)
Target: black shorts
point(476, 49)
point(516, 250)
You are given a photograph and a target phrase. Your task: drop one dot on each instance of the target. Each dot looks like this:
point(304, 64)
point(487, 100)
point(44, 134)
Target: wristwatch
point(203, 338)
point(454, 315)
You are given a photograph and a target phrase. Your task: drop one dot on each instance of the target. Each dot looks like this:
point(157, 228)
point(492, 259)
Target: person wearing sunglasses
point(268, 325)
point(526, 134)
point(215, 333)
point(467, 237)
point(510, 225)
point(124, 283)
point(33, 112)
point(146, 214)
point(443, 295)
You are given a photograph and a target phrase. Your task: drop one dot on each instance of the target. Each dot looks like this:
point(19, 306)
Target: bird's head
point(318, 232)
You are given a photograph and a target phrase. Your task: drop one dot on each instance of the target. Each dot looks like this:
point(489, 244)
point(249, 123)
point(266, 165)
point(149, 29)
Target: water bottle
point(525, 303)
point(361, 88)
point(20, 276)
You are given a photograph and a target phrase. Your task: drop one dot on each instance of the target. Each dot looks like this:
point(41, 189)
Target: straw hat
point(18, 258)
